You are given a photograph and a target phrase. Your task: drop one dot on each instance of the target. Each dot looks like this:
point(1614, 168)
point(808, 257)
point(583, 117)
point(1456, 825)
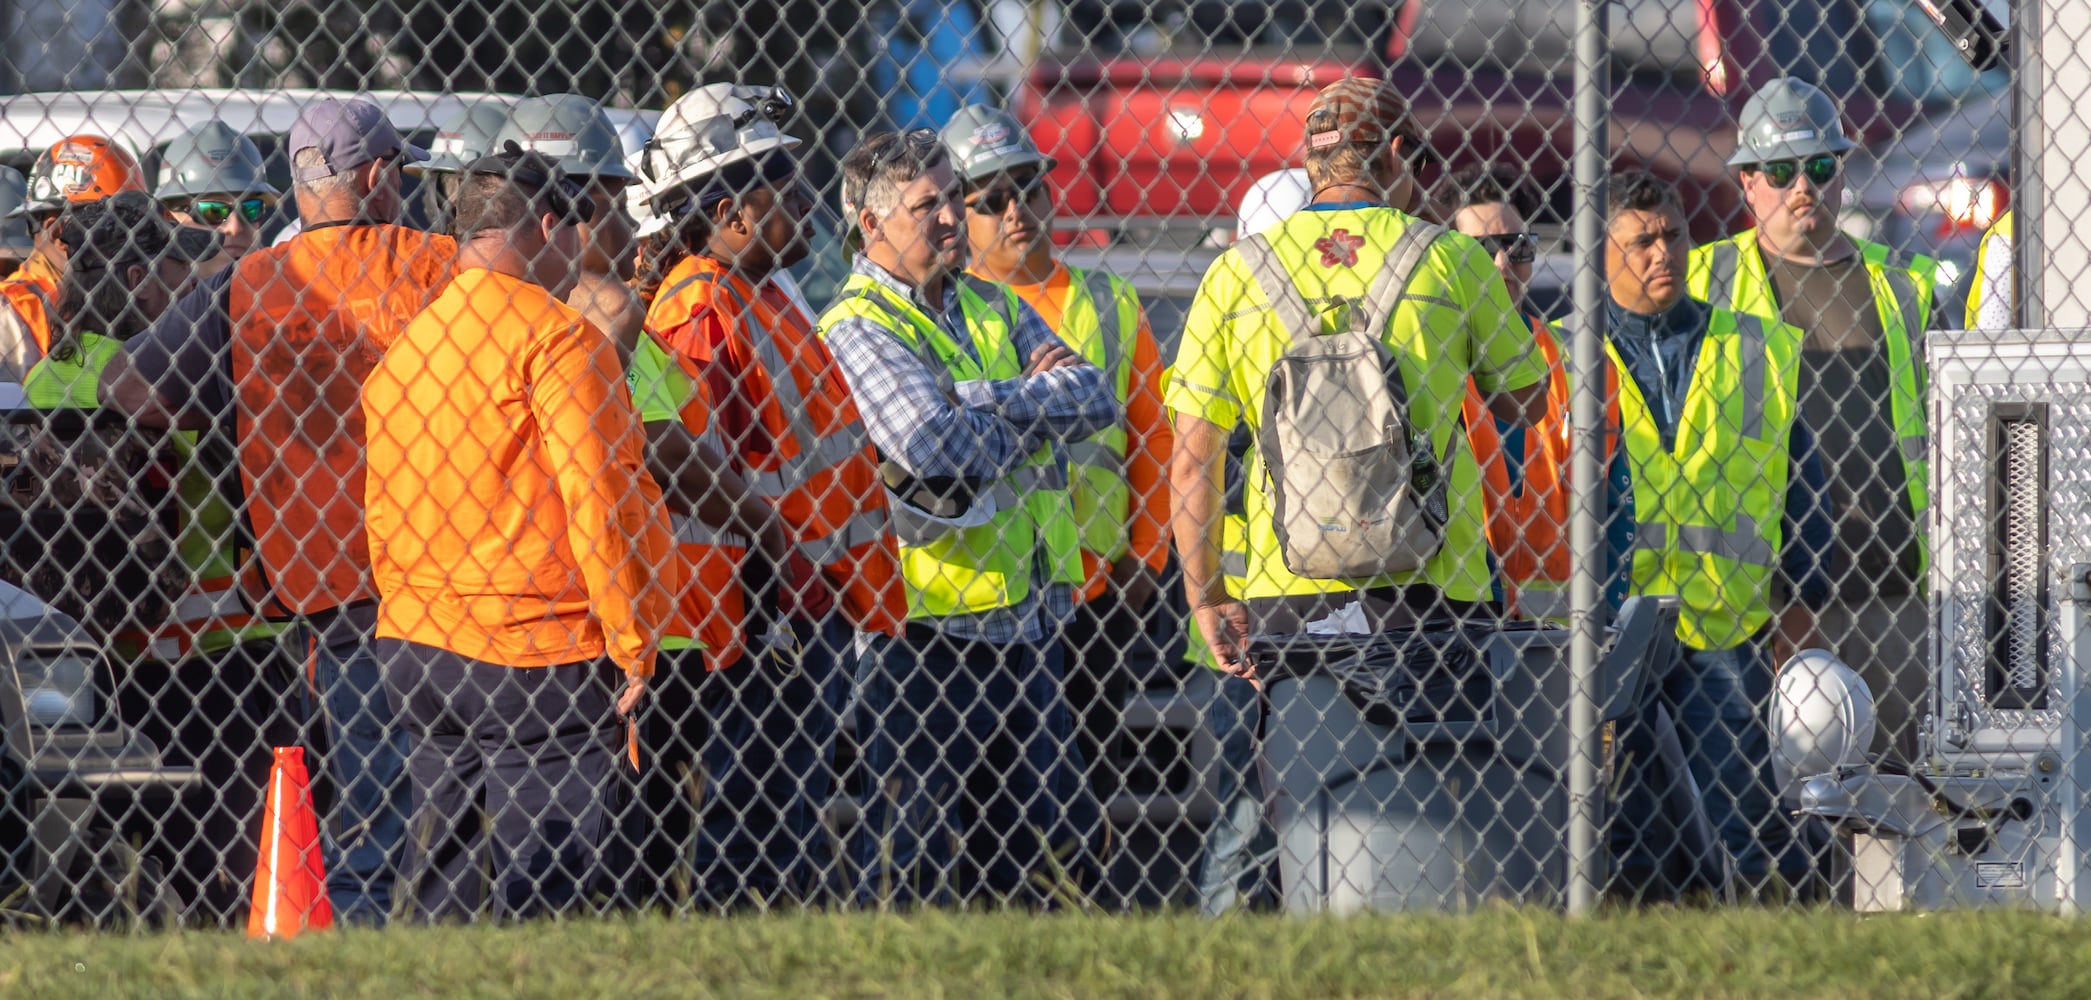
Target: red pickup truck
point(1164, 111)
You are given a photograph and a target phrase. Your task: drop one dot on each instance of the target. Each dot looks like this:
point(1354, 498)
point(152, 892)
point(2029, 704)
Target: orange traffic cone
point(290, 887)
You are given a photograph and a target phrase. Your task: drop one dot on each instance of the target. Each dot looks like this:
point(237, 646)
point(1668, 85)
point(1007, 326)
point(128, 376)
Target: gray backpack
point(1358, 490)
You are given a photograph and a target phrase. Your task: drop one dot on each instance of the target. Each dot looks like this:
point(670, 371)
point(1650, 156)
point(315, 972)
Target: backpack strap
point(1278, 287)
point(1390, 286)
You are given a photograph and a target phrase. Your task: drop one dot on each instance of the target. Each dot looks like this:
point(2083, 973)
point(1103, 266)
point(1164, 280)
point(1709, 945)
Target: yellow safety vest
point(1992, 268)
point(212, 614)
point(1708, 511)
point(1729, 274)
point(951, 570)
point(1106, 337)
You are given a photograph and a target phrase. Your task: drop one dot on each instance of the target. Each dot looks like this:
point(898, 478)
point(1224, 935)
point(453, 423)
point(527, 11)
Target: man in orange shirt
point(1120, 477)
point(784, 417)
point(514, 534)
point(275, 349)
point(77, 170)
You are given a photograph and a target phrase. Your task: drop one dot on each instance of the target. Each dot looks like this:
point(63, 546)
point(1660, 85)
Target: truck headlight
point(57, 687)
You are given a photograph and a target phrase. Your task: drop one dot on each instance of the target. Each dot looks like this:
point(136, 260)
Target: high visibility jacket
point(784, 414)
point(310, 320)
point(1119, 478)
point(1528, 525)
point(704, 573)
point(1730, 274)
point(1709, 511)
point(951, 570)
point(33, 294)
point(511, 519)
point(211, 614)
point(1992, 292)
point(1455, 323)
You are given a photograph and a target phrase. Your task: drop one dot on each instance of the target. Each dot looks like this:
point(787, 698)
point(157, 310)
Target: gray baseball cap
point(348, 135)
point(1788, 119)
point(571, 129)
point(985, 141)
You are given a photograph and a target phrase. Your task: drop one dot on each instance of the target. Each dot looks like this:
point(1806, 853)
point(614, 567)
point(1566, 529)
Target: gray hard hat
point(212, 159)
point(985, 141)
point(15, 238)
point(1786, 120)
point(570, 128)
point(466, 137)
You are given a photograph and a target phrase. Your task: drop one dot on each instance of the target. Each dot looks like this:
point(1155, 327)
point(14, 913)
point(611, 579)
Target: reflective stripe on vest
point(820, 471)
point(1708, 510)
point(1731, 274)
point(32, 301)
point(310, 319)
point(950, 571)
point(1101, 322)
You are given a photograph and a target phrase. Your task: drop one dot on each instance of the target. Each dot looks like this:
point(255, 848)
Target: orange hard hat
point(79, 169)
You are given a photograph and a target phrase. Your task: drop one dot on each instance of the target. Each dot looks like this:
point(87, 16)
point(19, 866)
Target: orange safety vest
point(813, 460)
point(705, 575)
point(1528, 528)
point(32, 292)
point(310, 319)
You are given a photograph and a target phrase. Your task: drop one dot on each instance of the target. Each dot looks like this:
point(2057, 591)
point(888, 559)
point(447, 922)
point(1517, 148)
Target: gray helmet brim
point(1801, 149)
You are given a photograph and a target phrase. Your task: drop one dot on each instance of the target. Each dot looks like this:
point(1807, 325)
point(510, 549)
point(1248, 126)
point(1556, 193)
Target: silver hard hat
point(212, 159)
point(1788, 119)
point(570, 128)
point(15, 238)
point(464, 138)
point(985, 141)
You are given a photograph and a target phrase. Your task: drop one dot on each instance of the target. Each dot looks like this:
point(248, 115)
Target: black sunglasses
point(1820, 169)
point(1523, 248)
point(997, 199)
point(214, 212)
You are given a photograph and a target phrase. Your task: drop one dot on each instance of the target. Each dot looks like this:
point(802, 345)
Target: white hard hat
point(1822, 717)
point(648, 221)
point(710, 128)
point(1271, 200)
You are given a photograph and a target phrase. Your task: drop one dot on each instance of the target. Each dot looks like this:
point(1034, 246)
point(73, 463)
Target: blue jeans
point(365, 834)
point(969, 759)
point(768, 755)
point(1717, 699)
point(1240, 844)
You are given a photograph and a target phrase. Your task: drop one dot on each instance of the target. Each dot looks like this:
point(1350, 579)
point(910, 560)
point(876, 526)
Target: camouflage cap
point(1362, 111)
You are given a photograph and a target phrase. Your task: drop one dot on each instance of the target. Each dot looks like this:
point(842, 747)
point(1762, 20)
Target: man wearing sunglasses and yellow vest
point(212, 177)
point(1863, 309)
point(1119, 479)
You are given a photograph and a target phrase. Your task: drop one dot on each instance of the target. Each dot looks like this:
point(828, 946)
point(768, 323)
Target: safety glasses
point(1523, 248)
point(997, 199)
point(215, 212)
point(1820, 169)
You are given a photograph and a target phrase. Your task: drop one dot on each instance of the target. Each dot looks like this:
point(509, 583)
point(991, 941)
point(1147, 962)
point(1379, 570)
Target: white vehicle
point(144, 121)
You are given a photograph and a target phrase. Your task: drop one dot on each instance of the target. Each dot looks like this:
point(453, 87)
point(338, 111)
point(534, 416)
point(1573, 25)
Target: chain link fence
point(871, 454)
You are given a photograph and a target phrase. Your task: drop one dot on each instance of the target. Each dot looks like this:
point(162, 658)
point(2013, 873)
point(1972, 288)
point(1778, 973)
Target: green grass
point(1498, 953)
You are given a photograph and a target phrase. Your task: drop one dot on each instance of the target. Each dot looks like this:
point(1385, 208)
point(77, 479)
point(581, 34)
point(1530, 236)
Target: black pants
point(218, 713)
point(515, 774)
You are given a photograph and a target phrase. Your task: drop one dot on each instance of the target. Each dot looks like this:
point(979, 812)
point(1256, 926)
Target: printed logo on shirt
point(1339, 249)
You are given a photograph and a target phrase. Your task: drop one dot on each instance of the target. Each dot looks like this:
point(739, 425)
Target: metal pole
point(1586, 518)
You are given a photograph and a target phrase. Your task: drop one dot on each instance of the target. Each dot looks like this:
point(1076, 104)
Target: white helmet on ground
point(1822, 717)
point(709, 129)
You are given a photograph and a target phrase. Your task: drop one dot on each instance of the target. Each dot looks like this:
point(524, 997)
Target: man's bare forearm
point(1197, 464)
